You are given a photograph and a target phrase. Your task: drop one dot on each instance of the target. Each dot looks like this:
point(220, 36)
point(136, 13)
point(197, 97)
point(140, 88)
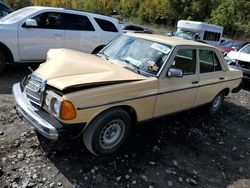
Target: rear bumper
point(45, 124)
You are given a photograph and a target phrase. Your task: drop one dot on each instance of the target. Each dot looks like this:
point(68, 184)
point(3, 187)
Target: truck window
point(106, 25)
point(77, 22)
point(49, 20)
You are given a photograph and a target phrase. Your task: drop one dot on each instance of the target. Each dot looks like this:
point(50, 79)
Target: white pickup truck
point(27, 34)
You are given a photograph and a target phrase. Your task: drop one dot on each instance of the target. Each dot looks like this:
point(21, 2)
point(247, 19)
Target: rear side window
point(106, 25)
point(185, 60)
point(209, 61)
point(77, 22)
point(211, 36)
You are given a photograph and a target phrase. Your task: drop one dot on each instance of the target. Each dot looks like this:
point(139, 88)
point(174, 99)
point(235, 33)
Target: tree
point(233, 16)
point(17, 4)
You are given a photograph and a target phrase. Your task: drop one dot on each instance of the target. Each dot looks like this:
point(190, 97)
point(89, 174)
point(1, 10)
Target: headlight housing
point(61, 109)
point(53, 103)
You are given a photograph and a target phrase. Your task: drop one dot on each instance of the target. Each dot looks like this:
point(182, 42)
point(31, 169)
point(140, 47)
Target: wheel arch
point(226, 91)
point(97, 49)
point(8, 52)
point(129, 109)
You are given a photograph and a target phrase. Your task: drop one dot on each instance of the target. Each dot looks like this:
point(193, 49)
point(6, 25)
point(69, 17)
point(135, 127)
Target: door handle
point(221, 78)
point(195, 82)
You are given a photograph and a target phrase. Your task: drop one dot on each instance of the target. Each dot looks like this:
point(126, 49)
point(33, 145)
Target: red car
point(230, 45)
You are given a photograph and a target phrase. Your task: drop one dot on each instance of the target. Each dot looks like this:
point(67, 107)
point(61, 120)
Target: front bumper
point(41, 125)
point(43, 122)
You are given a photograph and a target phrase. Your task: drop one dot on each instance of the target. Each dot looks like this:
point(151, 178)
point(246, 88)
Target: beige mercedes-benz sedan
point(135, 78)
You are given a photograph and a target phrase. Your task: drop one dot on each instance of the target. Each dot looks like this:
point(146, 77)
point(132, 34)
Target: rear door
point(80, 33)
point(36, 41)
point(211, 76)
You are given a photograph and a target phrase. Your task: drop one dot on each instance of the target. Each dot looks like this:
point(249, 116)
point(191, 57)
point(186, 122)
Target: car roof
point(173, 41)
point(72, 11)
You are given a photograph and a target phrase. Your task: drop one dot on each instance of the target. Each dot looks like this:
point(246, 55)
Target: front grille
point(35, 91)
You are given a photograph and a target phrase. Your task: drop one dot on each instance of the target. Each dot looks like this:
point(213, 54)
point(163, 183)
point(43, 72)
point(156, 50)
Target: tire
point(107, 132)
point(216, 104)
point(3, 61)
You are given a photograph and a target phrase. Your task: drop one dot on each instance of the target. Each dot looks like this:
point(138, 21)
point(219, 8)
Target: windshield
point(140, 54)
point(246, 49)
point(231, 44)
point(18, 15)
point(185, 34)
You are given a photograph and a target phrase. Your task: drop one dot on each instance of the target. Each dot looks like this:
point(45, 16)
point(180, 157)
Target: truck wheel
point(216, 104)
point(107, 132)
point(3, 61)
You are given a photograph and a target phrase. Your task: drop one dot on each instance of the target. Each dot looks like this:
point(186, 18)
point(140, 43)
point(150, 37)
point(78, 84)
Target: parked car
point(103, 96)
point(27, 34)
point(230, 45)
point(4, 9)
point(134, 28)
point(240, 60)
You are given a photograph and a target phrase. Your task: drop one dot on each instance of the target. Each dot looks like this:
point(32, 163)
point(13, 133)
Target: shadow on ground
point(11, 75)
point(213, 151)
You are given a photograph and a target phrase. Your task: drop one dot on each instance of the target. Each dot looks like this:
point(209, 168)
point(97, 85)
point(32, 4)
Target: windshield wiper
point(136, 68)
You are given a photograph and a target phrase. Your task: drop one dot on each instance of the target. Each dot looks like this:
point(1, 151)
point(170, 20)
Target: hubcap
point(216, 102)
point(112, 134)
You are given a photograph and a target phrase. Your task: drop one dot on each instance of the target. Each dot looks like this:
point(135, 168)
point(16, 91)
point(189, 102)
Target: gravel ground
point(189, 149)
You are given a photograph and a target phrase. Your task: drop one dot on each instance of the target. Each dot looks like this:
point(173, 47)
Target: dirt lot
point(190, 149)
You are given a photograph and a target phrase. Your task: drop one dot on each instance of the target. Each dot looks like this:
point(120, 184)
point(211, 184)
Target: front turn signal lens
point(68, 111)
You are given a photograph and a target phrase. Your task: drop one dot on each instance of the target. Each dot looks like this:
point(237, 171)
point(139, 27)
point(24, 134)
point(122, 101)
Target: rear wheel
point(216, 104)
point(107, 132)
point(3, 61)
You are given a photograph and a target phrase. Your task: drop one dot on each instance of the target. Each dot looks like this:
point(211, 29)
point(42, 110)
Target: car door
point(34, 42)
point(211, 75)
point(178, 93)
point(109, 30)
point(80, 33)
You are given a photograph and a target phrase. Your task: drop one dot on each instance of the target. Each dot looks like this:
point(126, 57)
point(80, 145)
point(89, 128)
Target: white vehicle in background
point(27, 34)
point(201, 31)
point(240, 60)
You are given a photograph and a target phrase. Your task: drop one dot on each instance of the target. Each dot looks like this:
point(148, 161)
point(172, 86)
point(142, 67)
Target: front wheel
point(216, 104)
point(107, 132)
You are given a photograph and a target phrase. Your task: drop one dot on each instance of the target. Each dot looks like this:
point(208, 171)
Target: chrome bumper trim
point(42, 126)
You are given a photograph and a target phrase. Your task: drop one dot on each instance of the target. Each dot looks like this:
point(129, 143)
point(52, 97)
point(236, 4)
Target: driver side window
point(49, 20)
point(185, 60)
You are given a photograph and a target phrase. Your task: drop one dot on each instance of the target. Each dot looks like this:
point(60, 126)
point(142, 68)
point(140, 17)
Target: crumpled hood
point(67, 68)
point(239, 56)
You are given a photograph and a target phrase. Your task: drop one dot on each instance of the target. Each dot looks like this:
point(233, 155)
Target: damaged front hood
point(66, 69)
point(239, 56)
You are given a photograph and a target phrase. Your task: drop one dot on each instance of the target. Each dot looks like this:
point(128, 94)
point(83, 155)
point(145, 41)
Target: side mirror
point(174, 72)
point(30, 23)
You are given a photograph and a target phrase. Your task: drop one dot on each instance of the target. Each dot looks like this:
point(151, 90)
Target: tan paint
point(68, 68)
point(65, 68)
